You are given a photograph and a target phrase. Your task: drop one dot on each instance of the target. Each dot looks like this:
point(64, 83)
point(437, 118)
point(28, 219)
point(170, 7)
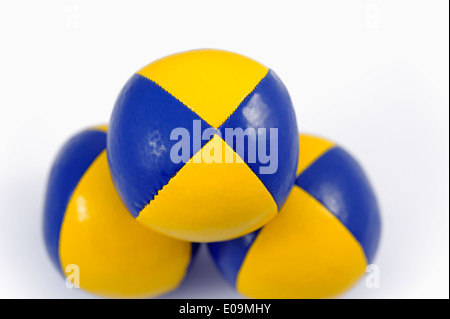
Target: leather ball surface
point(320, 243)
point(89, 233)
point(195, 192)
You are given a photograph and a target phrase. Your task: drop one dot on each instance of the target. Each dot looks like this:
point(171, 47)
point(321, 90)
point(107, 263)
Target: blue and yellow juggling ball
point(90, 234)
point(320, 243)
point(202, 145)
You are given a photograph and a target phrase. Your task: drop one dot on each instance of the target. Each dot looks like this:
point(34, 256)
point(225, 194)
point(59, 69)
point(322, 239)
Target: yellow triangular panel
point(304, 252)
point(211, 200)
point(115, 255)
point(212, 83)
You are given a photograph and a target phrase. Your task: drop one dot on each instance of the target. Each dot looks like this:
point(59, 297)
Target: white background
point(371, 75)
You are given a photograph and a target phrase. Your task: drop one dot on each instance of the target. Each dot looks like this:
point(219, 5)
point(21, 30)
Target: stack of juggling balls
point(203, 147)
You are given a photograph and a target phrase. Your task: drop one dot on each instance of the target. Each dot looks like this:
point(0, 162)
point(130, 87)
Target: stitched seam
point(244, 99)
point(220, 126)
point(315, 160)
point(174, 175)
point(265, 186)
point(273, 198)
point(189, 108)
point(339, 220)
point(141, 207)
point(253, 172)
